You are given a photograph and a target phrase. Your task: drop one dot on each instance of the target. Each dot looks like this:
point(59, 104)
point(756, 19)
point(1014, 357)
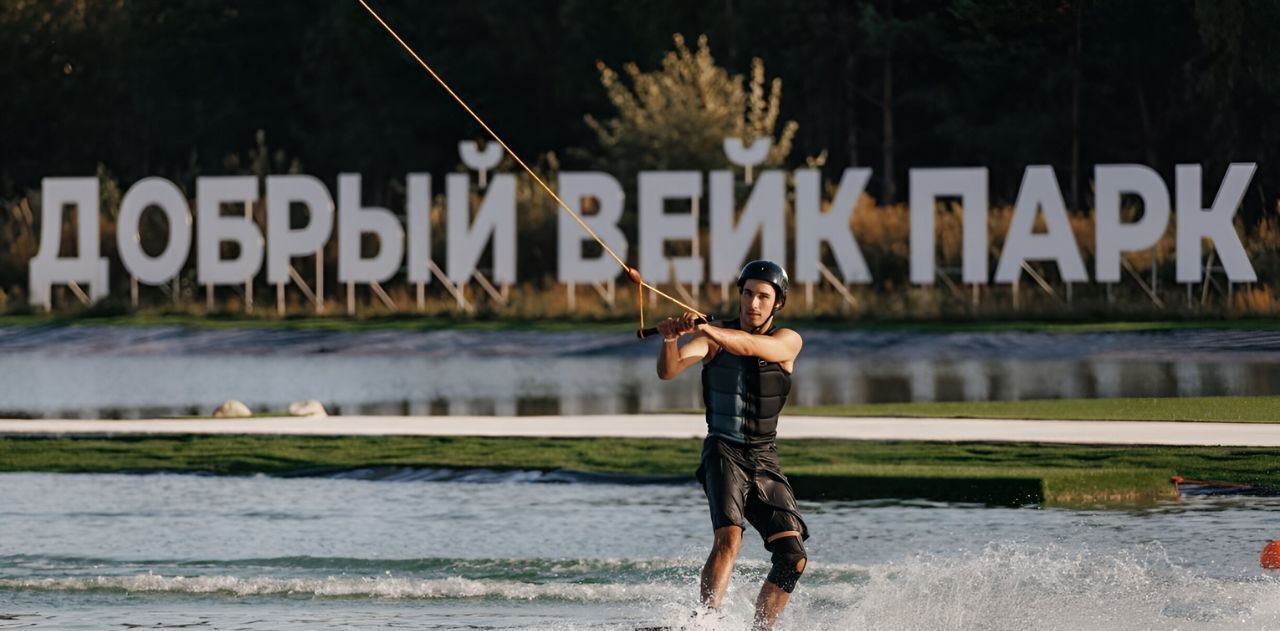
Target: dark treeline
point(173, 87)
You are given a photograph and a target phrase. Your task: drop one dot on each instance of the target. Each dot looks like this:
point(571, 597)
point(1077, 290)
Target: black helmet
point(769, 272)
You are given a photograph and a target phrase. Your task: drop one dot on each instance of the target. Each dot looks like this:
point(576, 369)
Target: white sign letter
point(354, 221)
point(602, 187)
point(1040, 190)
point(418, 208)
point(814, 226)
point(161, 193)
point(657, 227)
point(970, 185)
point(1216, 222)
point(212, 229)
point(763, 215)
point(1115, 237)
point(87, 267)
point(283, 242)
point(496, 220)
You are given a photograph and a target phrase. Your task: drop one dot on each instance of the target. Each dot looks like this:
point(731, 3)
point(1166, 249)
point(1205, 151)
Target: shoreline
point(958, 467)
point(613, 324)
point(676, 426)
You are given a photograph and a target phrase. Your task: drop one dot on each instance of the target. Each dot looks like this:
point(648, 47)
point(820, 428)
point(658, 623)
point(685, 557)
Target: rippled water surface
point(84, 371)
point(120, 551)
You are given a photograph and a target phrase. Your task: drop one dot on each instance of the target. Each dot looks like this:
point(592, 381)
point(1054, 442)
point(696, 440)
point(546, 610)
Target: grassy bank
point(622, 325)
point(1054, 475)
point(1218, 409)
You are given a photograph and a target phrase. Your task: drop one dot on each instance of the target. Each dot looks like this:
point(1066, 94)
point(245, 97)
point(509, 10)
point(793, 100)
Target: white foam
point(1016, 587)
point(1006, 588)
point(1002, 587)
point(363, 587)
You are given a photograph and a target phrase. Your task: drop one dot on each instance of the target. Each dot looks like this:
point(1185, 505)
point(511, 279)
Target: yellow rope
point(634, 277)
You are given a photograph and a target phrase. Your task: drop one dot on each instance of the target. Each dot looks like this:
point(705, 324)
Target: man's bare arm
point(781, 347)
point(674, 359)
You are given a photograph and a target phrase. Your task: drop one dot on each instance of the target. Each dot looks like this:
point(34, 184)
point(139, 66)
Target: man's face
point(756, 302)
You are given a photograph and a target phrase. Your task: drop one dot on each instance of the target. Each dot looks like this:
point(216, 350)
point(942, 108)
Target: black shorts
point(745, 484)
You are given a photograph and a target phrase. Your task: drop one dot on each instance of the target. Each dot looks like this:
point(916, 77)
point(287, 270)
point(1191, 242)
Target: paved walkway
point(687, 425)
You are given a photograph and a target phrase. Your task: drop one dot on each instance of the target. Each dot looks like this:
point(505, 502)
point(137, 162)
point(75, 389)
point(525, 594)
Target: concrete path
point(687, 425)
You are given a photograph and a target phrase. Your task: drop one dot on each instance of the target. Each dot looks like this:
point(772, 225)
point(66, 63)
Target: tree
point(1241, 82)
point(677, 117)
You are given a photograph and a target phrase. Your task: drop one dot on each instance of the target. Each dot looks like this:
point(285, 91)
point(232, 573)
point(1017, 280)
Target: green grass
point(1217, 409)
point(1055, 475)
point(490, 322)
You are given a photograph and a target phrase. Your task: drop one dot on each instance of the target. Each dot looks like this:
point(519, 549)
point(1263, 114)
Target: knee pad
point(788, 563)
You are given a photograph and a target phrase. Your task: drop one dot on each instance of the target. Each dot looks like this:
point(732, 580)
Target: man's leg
point(788, 563)
point(719, 567)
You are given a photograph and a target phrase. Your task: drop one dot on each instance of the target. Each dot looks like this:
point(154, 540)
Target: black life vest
point(744, 395)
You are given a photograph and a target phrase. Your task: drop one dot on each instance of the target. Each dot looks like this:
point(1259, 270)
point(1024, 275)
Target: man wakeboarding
point(746, 377)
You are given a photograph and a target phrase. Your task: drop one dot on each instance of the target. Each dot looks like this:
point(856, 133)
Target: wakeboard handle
point(653, 330)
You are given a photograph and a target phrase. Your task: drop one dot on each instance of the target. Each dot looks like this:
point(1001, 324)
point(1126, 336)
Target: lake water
point(131, 372)
point(170, 551)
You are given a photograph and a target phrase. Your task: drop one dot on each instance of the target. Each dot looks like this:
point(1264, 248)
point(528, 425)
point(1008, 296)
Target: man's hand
point(674, 359)
point(674, 328)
